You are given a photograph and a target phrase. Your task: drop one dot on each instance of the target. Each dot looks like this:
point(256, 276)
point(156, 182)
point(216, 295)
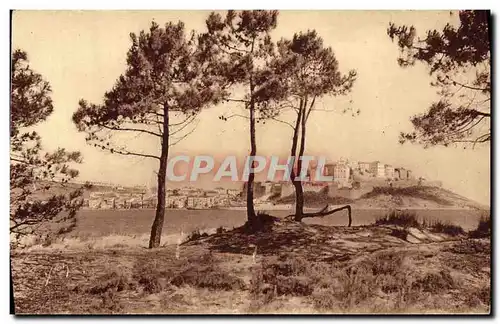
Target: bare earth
point(288, 268)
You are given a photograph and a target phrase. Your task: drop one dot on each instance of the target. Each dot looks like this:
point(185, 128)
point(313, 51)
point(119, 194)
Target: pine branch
point(131, 130)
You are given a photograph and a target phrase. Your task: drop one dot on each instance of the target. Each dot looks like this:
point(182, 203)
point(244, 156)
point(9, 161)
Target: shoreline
point(290, 208)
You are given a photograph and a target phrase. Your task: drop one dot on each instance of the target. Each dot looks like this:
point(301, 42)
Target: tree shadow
point(313, 242)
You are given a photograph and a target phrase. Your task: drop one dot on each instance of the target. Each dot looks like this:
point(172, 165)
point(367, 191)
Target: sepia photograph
point(249, 162)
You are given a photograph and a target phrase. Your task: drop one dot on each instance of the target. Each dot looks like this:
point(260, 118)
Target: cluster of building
point(380, 170)
point(186, 197)
point(343, 171)
point(196, 198)
point(120, 198)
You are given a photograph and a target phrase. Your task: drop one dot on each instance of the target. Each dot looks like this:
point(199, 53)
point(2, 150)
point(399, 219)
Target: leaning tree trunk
point(155, 238)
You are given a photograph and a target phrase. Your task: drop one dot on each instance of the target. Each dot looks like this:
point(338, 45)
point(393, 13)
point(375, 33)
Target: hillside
point(392, 198)
point(57, 188)
point(415, 196)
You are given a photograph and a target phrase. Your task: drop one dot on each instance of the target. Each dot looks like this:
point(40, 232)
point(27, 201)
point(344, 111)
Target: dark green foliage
point(34, 172)
point(399, 218)
point(459, 59)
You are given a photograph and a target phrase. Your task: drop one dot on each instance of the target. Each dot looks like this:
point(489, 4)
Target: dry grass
point(446, 277)
point(407, 219)
point(447, 228)
point(399, 218)
point(37, 243)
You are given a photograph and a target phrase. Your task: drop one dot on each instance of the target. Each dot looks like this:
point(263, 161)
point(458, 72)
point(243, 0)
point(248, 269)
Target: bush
point(208, 276)
point(285, 276)
point(294, 286)
point(195, 235)
point(386, 263)
point(435, 282)
point(110, 303)
point(354, 287)
point(112, 281)
point(152, 275)
point(400, 233)
point(150, 283)
point(399, 218)
point(483, 228)
point(447, 228)
point(471, 247)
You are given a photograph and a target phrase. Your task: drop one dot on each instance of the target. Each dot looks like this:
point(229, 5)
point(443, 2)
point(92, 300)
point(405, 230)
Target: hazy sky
point(82, 53)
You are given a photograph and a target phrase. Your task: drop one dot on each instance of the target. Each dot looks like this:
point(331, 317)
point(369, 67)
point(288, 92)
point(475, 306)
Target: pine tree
point(458, 59)
point(244, 39)
point(305, 71)
point(33, 172)
point(170, 77)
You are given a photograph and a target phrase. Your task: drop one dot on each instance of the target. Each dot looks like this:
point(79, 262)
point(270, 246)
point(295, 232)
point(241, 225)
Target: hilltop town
point(350, 180)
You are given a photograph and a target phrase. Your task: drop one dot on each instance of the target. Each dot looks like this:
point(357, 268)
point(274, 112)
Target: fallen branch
point(325, 212)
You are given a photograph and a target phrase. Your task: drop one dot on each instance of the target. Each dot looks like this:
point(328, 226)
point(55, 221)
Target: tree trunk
point(299, 191)
point(299, 197)
point(251, 216)
point(156, 229)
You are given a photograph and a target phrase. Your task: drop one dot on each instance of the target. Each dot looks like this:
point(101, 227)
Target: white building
point(341, 172)
point(377, 169)
point(220, 190)
point(233, 192)
point(364, 166)
point(329, 169)
point(389, 171)
point(176, 202)
point(197, 202)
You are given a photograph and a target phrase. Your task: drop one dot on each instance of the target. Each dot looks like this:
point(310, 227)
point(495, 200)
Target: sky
point(82, 53)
